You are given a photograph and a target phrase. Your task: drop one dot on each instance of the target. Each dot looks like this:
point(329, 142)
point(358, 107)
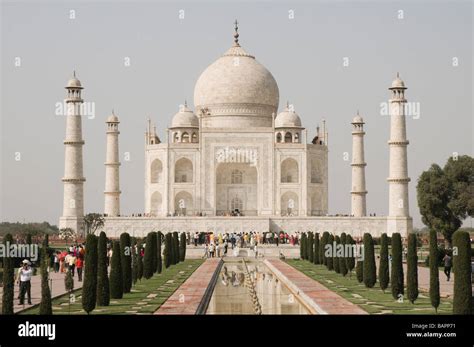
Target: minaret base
point(75, 223)
point(402, 225)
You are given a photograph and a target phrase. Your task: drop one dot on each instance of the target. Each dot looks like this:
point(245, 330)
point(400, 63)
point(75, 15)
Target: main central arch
point(236, 189)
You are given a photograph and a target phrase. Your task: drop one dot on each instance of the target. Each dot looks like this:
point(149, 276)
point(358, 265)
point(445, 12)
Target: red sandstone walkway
point(57, 285)
point(321, 299)
point(186, 299)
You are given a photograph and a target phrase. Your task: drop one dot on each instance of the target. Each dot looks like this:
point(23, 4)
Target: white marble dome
point(236, 91)
point(185, 118)
point(288, 119)
point(74, 82)
point(398, 83)
point(112, 118)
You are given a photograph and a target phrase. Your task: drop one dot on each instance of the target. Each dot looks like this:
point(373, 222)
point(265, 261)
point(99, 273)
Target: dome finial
point(236, 33)
point(398, 74)
point(185, 103)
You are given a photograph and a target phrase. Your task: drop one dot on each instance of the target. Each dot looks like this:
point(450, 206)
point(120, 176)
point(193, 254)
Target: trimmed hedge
point(370, 271)
point(103, 289)
point(89, 286)
point(384, 276)
point(434, 271)
point(412, 269)
point(342, 260)
point(126, 261)
point(396, 278)
point(462, 300)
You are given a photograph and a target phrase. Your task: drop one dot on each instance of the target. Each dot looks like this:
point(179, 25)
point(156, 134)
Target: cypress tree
point(182, 247)
point(103, 290)
point(462, 300)
point(396, 278)
point(360, 270)
point(384, 276)
point(310, 246)
point(330, 260)
point(167, 251)
point(89, 286)
point(159, 240)
point(116, 273)
point(322, 250)
point(140, 262)
point(302, 246)
point(8, 279)
point(154, 251)
point(316, 249)
point(337, 239)
point(369, 272)
point(126, 262)
point(434, 271)
point(350, 258)
point(342, 259)
point(175, 248)
point(134, 250)
point(46, 307)
point(412, 269)
point(148, 257)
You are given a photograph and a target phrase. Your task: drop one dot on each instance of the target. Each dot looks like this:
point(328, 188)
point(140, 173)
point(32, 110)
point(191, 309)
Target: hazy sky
point(167, 54)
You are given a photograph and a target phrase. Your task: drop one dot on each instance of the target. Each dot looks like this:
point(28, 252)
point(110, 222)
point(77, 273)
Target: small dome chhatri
point(112, 118)
point(288, 118)
point(358, 119)
point(398, 83)
point(74, 82)
point(185, 118)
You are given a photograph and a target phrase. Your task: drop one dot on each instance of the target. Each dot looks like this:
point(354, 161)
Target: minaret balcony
point(399, 179)
point(67, 142)
point(399, 143)
point(73, 180)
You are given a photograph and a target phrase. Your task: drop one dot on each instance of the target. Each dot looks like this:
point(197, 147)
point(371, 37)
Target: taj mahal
point(235, 162)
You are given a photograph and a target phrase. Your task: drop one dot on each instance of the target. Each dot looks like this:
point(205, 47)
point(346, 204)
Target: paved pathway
point(445, 287)
point(57, 289)
point(186, 299)
point(318, 297)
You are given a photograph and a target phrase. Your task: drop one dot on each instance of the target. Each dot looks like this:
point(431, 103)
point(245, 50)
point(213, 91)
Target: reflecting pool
point(233, 295)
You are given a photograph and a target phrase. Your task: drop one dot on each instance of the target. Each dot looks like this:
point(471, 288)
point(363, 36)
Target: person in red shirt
point(79, 266)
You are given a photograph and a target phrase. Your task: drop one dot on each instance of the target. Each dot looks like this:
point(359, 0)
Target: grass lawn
point(145, 298)
point(373, 300)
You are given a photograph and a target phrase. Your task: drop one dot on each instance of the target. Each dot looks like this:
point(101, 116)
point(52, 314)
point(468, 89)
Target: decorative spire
point(236, 33)
point(358, 112)
point(185, 103)
point(287, 105)
point(398, 75)
point(74, 73)
point(113, 112)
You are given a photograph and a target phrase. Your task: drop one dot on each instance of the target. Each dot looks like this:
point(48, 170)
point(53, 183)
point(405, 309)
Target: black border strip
point(204, 304)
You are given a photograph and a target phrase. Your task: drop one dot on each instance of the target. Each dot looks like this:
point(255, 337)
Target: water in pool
point(233, 293)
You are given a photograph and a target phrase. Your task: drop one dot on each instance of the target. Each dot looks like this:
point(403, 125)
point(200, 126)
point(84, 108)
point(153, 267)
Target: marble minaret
point(112, 164)
point(358, 192)
point(398, 216)
point(73, 180)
